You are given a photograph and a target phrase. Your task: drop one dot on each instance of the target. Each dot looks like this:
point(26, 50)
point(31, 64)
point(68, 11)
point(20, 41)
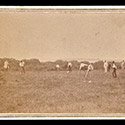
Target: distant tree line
point(36, 65)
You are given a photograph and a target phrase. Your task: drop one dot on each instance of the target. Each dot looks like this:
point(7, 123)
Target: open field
point(59, 92)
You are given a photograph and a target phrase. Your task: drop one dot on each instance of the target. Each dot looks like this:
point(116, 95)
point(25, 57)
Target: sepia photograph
point(62, 62)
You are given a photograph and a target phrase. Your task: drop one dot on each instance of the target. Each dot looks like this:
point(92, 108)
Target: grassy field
point(59, 92)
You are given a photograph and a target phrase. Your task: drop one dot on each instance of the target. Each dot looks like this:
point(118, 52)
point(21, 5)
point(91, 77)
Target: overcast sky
point(25, 35)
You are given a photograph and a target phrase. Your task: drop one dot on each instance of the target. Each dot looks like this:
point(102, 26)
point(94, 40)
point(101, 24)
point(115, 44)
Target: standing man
point(82, 66)
point(69, 67)
point(22, 64)
point(114, 69)
point(57, 67)
point(109, 67)
point(90, 68)
point(6, 65)
point(106, 66)
point(123, 64)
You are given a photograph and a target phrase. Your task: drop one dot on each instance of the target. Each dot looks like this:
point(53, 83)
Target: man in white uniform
point(106, 66)
point(6, 65)
point(123, 64)
point(90, 68)
point(22, 64)
point(82, 66)
point(69, 67)
point(57, 67)
point(114, 74)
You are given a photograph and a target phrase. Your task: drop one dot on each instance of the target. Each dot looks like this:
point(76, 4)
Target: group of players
point(107, 67)
point(82, 66)
point(89, 67)
point(21, 65)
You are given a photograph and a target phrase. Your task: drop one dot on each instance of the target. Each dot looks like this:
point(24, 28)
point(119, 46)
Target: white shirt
point(114, 66)
point(69, 64)
point(57, 66)
point(82, 65)
point(90, 67)
point(6, 64)
point(21, 64)
point(105, 64)
point(123, 63)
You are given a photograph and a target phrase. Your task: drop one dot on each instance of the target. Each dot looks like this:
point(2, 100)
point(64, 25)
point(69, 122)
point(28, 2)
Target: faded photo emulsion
point(62, 61)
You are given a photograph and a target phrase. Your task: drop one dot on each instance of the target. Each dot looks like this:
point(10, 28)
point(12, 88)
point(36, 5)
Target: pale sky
point(25, 35)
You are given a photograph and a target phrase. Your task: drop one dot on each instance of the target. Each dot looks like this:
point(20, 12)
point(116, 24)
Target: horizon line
point(67, 59)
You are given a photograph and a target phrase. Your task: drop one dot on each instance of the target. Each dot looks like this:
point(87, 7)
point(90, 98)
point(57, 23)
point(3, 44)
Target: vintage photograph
point(62, 62)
